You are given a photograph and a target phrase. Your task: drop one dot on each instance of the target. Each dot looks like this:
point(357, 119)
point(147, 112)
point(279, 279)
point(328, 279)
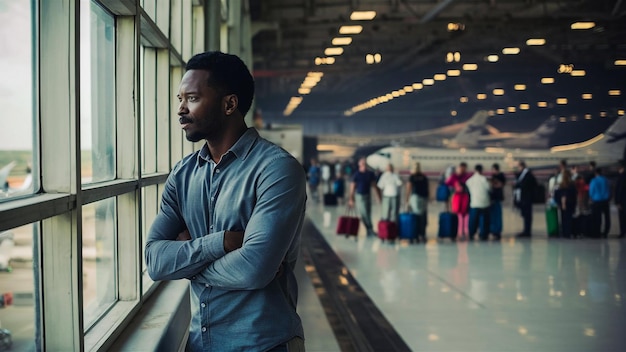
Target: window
point(99, 258)
point(17, 284)
point(97, 100)
point(16, 97)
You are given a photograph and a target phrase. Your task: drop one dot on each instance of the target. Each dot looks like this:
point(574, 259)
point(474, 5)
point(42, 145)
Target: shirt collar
point(240, 149)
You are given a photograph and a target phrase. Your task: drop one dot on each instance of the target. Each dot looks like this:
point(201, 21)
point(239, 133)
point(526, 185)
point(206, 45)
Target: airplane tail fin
point(4, 173)
point(546, 129)
point(475, 127)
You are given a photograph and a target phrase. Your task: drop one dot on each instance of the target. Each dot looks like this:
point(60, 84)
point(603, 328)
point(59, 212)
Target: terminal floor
point(534, 294)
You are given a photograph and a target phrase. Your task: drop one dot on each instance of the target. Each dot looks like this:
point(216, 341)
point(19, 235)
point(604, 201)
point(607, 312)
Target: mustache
point(184, 119)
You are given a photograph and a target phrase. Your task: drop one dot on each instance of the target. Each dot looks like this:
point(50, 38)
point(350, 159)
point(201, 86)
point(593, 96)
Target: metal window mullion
point(187, 32)
point(162, 19)
point(198, 30)
point(149, 111)
point(176, 25)
point(60, 236)
point(163, 114)
point(176, 136)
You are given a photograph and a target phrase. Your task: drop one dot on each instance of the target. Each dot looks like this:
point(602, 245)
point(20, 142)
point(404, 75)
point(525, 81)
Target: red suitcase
point(348, 224)
point(387, 230)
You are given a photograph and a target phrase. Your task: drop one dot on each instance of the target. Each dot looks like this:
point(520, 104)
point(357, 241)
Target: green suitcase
point(552, 221)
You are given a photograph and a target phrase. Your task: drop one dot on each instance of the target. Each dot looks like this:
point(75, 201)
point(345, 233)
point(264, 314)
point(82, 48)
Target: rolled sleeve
point(275, 223)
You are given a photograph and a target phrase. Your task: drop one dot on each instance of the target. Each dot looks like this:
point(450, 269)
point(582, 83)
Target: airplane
point(537, 139)
point(4, 174)
point(605, 149)
point(5, 189)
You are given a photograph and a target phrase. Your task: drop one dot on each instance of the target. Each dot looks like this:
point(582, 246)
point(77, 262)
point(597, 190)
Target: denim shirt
point(244, 300)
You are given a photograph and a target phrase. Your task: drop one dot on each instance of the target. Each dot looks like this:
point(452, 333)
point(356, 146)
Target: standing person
point(314, 176)
point(600, 194)
point(389, 183)
point(417, 197)
point(620, 198)
point(565, 198)
point(236, 207)
point(498, 181)
point(460, 198)
point(524, 190)
point(363, 181)
point(479, 190)
point(326, 176)
point(339, 187)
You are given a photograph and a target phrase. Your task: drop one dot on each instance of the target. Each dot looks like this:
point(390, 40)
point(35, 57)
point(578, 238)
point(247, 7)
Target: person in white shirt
point(479, 188)
point(389, 183)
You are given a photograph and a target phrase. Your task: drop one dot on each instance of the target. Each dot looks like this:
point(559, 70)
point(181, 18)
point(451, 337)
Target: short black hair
point(521, 163)
point(592, 163)
point(598, 171)
point(228, 74)
point(463, 164)
point(478, 168)
point(496, 166)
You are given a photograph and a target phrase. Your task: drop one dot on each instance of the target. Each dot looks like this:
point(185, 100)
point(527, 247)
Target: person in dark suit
point(524, 190)
point(620, 198)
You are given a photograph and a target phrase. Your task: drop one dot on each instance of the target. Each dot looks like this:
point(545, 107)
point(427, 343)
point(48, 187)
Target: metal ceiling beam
point(436, 10)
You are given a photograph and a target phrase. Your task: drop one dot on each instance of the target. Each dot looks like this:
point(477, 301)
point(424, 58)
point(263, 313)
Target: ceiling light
point(362, 15)
point(452, 27)
point(583, 25)
point(315, 74)
point(565, 68)
point(524, 106)
point(470, 67)
point(542, 104)
point(602, 113)
point(511, 109)
point(510, 51)
point(578, 73)
point(440, 77)
point(573, 118)
point(402, 92)
point(342, 41)
point(587, 96)
point(418, 86)
point(561, 101)
point(615, 92)
point(457, 56)
point(493, 58)
point(498, 91)
point(620, 62)
point(562, 119)
point(333, 51)
point(620, 112)
point(377, 58)
point(389, 96)
point(369, 59)
point(464, 99)
point(454, 73)
point(408, 89)
point(318, 61)
point(500, 111)
point(350, 29)
point(303, 90)
point(481, 96)
point(520, 87)
point(587, 116)
point(547, 80)
point(491, 113)
point(395, 94)
point(428, 81)
point(453, 112)
point(535, 42)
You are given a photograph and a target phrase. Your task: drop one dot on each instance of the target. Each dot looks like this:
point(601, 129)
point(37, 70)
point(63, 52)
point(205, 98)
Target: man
point(363, 181)
point(479, 188)
point(600, 194)
point(498, 180)
point(620, 198)
point(236, 207)
point(524, 190)
point(389, 184)
point(314, 179)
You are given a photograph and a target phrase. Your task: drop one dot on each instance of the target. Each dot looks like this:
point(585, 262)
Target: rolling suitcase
point(387, 230)
point(552, 221)
point(408, 225)
point(330, 199)
point(448, 225)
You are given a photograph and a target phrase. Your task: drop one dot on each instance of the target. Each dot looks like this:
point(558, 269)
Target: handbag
point(348, 224)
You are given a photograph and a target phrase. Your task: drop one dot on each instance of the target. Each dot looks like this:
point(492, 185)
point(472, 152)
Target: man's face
point(362, 164)
point(200, 111)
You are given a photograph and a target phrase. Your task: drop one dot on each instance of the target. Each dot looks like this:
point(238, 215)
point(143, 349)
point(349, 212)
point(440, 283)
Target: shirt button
point(203, 329)
point(193, 277)
point(202, 305)
point(206, 285)
point(217, 171)
point(212, 199)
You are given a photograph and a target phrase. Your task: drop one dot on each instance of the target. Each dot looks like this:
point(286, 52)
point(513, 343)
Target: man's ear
point(231, 102)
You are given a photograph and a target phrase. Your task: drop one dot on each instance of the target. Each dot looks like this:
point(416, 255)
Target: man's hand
point(184, 236)
point(351, 202)
point(232, 240)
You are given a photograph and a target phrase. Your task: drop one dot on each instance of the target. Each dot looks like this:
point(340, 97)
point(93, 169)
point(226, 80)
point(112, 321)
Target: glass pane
point(18, 297)
point(99, 258)
point(16, 97)
point(97, 100)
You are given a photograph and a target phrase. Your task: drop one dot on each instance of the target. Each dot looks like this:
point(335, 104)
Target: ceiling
point(413, 39)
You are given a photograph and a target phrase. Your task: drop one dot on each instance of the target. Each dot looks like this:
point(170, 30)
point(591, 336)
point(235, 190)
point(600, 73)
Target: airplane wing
point(4, 174)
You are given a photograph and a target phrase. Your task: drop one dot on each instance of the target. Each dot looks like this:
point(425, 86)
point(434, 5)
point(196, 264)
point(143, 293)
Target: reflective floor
point(515, 295)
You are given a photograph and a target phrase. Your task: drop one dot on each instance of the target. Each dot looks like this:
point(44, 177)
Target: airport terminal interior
point(90, 133)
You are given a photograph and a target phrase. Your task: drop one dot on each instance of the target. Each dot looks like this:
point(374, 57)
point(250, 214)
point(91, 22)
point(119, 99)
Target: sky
point(16, 121)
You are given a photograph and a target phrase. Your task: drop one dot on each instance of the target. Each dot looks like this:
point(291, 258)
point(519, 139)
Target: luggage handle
point(350, 211)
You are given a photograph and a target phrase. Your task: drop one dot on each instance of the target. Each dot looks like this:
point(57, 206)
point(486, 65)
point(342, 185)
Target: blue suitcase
point(408, 223)
point(448, 225)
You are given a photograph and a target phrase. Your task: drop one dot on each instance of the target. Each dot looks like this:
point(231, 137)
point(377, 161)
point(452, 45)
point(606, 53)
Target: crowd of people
point(581, 198)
